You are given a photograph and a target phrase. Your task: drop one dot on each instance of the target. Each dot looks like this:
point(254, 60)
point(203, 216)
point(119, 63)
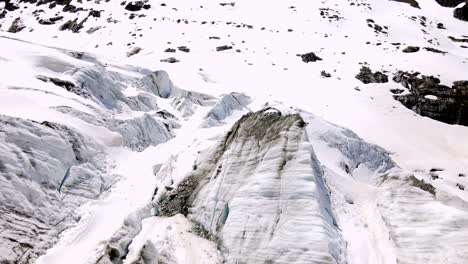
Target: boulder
point(309, 57)
point(16, 26)
point(367, 76)
point(410, 49)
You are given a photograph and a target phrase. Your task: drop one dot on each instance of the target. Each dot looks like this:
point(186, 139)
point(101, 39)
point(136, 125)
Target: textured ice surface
point(261, 195)
point(226, 107)
point(159, 83)
point(34, 158)
point(384, 215)
point(141, 132)
point(424, 228)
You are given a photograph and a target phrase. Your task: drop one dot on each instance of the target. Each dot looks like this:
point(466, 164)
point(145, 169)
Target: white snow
point(381, 222)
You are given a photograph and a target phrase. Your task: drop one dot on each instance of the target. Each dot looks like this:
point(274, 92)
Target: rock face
point(429, 98)
point(461, 13)
point(259, 193)
point(367, 76)
point(34, 159)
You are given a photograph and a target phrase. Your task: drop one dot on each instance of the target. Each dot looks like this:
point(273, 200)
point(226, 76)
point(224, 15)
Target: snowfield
point(233, 132)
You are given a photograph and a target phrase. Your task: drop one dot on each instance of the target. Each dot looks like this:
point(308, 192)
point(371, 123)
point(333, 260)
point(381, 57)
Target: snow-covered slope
point(233, 132)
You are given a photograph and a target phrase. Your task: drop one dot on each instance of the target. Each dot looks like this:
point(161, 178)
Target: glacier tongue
point(260, 195)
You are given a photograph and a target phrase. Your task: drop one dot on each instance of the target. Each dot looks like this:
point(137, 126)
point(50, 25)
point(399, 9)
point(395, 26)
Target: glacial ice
point(258, 195)
point(225, 107)
point(34, 159)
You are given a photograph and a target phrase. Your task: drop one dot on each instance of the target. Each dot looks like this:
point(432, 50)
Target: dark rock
point(435, 50)
point(9, 6)
point(169, 50)
point(449, 3)
point(67, 85)
point(412, 3)
point(226, 4)
point(309, 57)
point(133, 51)
point(461, 13)
point(95, 13)
point(16, 26)
point(396, 91)
point(183, 48)
point(451, 106)
point(325, 74)
point(135, 6)
point(224, 47)
point(170, 60)
point(440, 26)
point(73, 25)
point(72, 9)
point(410, 49)
point(461, 186)
point(421, 185)
point(458, 39)
point(366, 76)
point(50, 21)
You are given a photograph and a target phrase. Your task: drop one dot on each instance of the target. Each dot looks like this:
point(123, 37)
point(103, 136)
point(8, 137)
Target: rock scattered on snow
point(133, 51)
point(16, 26)
point(222, 48)
point(410, 49)
point(170, 60)
point(367, 76)
point(309, 57)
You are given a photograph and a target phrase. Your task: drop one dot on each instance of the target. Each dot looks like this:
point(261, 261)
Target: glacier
point(144, 132)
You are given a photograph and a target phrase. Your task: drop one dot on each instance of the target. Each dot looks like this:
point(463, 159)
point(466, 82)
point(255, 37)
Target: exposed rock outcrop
point(429, 98)
point(449, 3)
point(461, 12)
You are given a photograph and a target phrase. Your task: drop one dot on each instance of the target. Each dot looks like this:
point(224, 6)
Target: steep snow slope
point(107, 158)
